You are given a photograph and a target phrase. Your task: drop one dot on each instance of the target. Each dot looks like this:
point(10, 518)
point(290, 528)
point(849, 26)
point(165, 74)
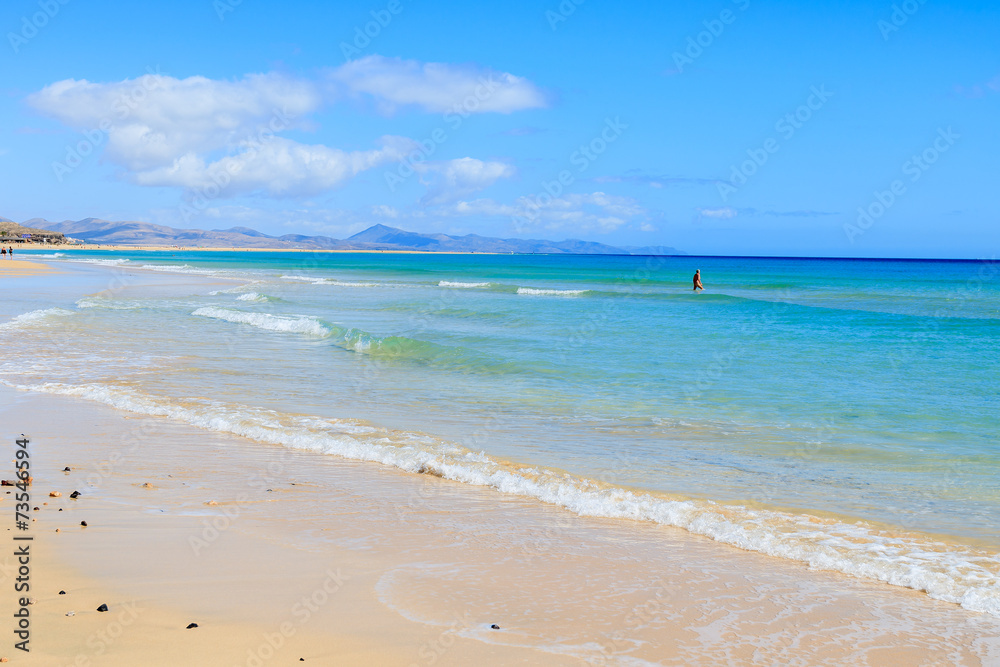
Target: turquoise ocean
point(841, 413)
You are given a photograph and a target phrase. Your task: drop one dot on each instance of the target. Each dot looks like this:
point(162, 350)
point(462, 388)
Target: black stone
point(62, 592)
point(191, 625)
point(103, 607)
point(75, 494)
point(66, 469)
point(494, 627)
point(83, 523)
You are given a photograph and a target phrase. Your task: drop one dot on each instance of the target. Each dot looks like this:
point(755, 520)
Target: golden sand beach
point(20, 267)
point(186, 526)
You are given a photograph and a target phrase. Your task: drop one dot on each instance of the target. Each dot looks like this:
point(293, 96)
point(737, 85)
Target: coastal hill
point(10, 232)
point(377, 237)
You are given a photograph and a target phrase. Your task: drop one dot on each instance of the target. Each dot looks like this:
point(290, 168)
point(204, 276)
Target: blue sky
point(726, 127)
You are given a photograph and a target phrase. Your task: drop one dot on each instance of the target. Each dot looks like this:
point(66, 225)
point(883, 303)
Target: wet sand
point(19, 268)
point(279, 555)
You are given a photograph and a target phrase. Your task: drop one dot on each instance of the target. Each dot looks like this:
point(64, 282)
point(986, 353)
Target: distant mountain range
point(377, 237)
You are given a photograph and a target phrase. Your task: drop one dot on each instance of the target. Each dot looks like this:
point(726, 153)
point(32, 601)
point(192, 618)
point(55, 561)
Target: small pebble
point(57, 530)
point(103, 607)
point(62, 592)
point(191, 625)
point(147, 485)
point(60, 509)
point(66, 469)
point(4, 659)
point(37, 508)
point(75, 494)
point(71, 613)
point(494, 627)
point(54, 494)
point(83, 523)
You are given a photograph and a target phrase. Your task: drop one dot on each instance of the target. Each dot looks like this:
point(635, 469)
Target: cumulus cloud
point(154, 120)
point(278, 166)
point(436, 87)
point(199, 133)
point(449, 180)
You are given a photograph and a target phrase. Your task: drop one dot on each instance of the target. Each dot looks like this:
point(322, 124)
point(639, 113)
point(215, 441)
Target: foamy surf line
point(303, 325)
point(351, 338)
point(35, 317)
point(955, 574)
point(531, 291)
point(330, 281)
point(461, 285)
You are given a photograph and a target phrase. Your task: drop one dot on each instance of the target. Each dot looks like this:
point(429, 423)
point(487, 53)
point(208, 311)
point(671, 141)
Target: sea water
point(840, 413)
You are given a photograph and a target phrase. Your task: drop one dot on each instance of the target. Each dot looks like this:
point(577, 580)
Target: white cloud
point(454, 179)
point(278, 166)
point(437, 87)
point(154, 120)
point(225, 136)
point(385, 211)
point(717, 212)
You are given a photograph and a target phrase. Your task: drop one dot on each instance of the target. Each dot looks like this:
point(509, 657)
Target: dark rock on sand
point(75, 494)
point(103, 607)
point(191, 625)
point(83, 523)
point(62, 592)
point(66, 469)
point(494, 627)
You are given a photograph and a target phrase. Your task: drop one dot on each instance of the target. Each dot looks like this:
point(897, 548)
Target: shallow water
point(836, 412)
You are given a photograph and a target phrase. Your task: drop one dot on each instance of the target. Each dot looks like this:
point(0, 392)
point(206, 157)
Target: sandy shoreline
point(17, 268)
point(404, 569)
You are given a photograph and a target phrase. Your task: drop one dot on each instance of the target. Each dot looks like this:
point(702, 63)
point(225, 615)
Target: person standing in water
point(697, 281)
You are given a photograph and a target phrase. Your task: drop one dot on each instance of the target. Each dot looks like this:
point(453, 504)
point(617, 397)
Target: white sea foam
point(111, 304)
point(302, 325)
point(35, 318)
point(186, 269)
point(448, 283)
point(956, 574)
point(314, 280)
point(550, 292)
point(102, 262)
point(251, 296)
point(236, 290)
point(54, 255)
